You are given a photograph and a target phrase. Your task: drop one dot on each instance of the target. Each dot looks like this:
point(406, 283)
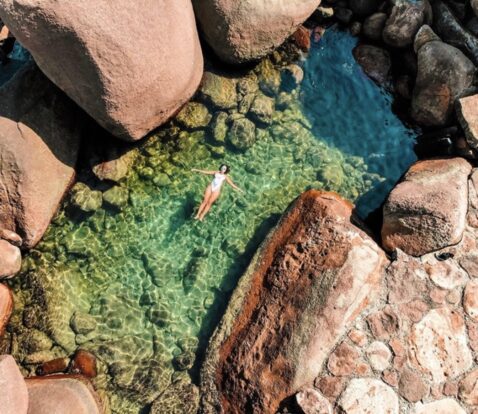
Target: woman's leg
point(209, 203)
point(207, 194)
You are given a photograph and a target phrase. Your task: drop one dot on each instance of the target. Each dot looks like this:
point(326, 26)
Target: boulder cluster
point(326, 318)
point(427, 53)
point(325, 321)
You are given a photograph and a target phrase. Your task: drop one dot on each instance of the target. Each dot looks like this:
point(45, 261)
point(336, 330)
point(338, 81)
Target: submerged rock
point(39, 141)
point(314, 274)
point(66, 394)
point(194, 115)
point(427, 210)
point(86, 199)
point(131, 74)
point(375, 62)
point(117, 196)
point(243, 31)
point(14, 394)
point(114, 165)
point(179, 398)
point(262, 109)
point(242, 134)
point(219, 90)
point(444, 73)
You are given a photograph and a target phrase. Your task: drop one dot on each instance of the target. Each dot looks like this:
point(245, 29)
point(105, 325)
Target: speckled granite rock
point(130, 74)
point(427, 210)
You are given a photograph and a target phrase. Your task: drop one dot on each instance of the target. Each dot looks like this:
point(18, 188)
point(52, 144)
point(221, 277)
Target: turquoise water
point(150, 282)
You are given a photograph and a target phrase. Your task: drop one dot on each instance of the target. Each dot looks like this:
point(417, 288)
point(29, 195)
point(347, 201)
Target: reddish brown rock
point(6, 306)
point(427, 210)
point(314, 274)
point(241, 31)
point(414, 311)
point(384, 324)
point(358, 337)
point(467, 111)
point(302, 38)
point(130, 74)
point(330, 386)
point(54, 366)
point(390, 377)
point(470, 300)
point(450, 389)
point(65, 394)
point(375, 61)
point(468, 388)
point(472, 334)
point(39, 142)
point(10, 260)
point(343, 361)
point(11, 237)
point(84, 363)
point(14, 394)
point(411, 386)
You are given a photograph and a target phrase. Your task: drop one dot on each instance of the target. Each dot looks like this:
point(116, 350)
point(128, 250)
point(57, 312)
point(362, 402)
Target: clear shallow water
point(153, 282)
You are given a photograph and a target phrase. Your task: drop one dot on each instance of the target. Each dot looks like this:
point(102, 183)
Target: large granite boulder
point(130, 67)
point(6, 307)
point(427, 210)
point(14, 393)
point(39, 142)
point(241, 31)
point(312, 277)
point(65, 394)
point(444, 74)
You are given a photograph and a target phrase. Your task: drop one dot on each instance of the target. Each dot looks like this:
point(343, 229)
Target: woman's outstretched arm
point(203, 171)
point(229, 181)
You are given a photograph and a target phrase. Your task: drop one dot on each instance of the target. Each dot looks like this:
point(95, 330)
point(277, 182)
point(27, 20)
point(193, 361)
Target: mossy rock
point(219, 127)
point(162, 180)
point(242, 134)
point(86, 199)
point(219, 90)
point(82, 323)
point(332, 175)
point(262, 109)
point(116, 196)
point(246, 103)
point(269, 78)
point(248, 85)
point(194, 115)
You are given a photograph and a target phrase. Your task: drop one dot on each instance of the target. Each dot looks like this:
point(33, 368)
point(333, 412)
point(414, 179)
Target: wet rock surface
point(289, 271)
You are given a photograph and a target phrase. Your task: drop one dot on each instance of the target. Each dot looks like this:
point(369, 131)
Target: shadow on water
point(355, 115)
point(221, 298)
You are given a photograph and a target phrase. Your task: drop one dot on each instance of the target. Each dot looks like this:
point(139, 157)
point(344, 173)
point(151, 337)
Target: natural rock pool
point(143, 286)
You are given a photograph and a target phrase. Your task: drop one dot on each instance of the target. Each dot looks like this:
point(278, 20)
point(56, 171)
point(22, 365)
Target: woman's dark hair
point(227, 168)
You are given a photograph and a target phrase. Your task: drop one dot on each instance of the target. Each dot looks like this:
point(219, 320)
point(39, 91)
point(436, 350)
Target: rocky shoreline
point(328, 317)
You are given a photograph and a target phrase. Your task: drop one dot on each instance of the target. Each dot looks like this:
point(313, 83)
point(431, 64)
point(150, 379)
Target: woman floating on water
point(214, 189)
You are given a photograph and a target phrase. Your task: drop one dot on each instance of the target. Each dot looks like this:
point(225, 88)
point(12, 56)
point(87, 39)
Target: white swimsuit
point(217, 181)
